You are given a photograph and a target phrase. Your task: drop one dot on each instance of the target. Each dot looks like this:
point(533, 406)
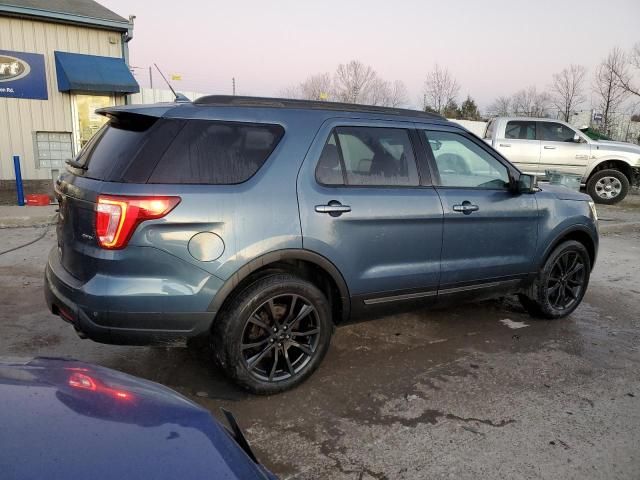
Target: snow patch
point(511, 324)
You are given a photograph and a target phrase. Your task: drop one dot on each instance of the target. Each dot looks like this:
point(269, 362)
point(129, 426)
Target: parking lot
point(474, 391)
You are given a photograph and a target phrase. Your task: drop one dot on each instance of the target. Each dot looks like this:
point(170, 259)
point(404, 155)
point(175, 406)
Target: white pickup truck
point(535, 145)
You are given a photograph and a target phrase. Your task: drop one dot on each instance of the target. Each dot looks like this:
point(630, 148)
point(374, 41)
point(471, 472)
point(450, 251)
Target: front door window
point(462, 163)
point(556, 132)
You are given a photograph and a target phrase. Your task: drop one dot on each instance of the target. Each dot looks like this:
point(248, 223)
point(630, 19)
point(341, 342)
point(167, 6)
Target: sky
point(491, 47)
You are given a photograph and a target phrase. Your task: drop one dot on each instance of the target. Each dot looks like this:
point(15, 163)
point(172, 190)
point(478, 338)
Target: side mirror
point(576, 138)
point(526, 183)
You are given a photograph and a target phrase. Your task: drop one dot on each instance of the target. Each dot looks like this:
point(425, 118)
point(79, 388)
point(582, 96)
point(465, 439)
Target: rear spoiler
point(155, 110)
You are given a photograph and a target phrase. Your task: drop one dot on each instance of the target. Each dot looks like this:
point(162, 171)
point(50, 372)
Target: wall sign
point(22, 75)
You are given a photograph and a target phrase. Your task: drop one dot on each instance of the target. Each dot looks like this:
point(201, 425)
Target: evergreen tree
point(451, 110)
point(469, 110)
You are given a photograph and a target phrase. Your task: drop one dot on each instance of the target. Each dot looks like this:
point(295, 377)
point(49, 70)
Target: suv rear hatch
point(148, 154)
point(108, 157)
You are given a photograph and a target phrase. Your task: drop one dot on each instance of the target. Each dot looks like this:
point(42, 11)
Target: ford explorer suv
point(536, 145)
point(263, 223)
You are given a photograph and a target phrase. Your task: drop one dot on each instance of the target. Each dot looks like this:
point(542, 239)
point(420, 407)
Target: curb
point(25, 222)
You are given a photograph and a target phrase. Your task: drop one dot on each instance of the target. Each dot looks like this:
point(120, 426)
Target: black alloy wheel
point(273, 333)
point(566, 281)
point(280, 337)
point(561, 284)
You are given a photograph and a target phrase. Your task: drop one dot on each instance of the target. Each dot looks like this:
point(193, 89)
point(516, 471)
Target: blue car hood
point(71, 420)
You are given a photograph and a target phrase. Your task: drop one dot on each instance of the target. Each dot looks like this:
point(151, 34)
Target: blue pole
point(19, 189)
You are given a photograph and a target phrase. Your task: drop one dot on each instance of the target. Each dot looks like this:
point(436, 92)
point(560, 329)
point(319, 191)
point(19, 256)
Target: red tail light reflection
point(86, 382)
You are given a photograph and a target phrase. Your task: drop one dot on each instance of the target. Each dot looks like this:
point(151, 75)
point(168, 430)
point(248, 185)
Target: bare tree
point(386, 94)
point(399, 96)
point(635, 55)
point(608, 88)
point(317, 87)
point(353, 82)
point(292, 91)
point(440, 89)
point(378, 93)
point(625, 77)
point(566, 90)
point(530, 103)
point(501, 107)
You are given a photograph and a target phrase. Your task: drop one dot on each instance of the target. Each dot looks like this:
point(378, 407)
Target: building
point(59, 61)
point(156, 95)
point(623, 126)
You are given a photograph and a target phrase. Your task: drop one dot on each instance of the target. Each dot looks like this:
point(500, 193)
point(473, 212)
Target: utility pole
point(150, 78)
point(233, 85)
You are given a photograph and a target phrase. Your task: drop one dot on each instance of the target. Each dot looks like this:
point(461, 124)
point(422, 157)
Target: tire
point(608, 186)
point(261, 318)
point(556, 291)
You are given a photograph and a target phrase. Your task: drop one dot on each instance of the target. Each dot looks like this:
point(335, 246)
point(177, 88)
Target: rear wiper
point(75, 164)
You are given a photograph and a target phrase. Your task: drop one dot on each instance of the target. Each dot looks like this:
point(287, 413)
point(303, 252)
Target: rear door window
point(216, 153)
point(520, 129)
point(368, 156)
point(329, 170)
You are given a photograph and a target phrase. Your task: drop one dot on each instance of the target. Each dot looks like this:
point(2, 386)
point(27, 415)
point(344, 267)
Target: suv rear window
point(216, 153)
point(114, 145)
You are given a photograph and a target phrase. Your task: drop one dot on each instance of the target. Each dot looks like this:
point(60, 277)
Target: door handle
point(549, 147)
point(466, 207)
point(505, 144)
point(333, 208)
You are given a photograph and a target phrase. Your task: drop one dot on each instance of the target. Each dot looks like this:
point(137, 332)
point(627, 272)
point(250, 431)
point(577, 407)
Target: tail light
point(118, 216)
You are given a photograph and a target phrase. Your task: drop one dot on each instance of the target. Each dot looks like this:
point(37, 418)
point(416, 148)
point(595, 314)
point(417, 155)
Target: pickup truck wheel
point(273, 334)
point(561, 284)
point(608, 186)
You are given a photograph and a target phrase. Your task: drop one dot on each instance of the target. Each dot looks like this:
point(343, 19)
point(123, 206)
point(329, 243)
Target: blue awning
point(91, 73)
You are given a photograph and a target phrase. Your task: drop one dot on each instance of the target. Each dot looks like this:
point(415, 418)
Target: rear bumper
point(95, 316)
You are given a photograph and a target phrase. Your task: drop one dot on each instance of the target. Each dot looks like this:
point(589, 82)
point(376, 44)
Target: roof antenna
point(180, 98)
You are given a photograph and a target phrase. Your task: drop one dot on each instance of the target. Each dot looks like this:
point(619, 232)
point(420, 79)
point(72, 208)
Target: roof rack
point(267, 102)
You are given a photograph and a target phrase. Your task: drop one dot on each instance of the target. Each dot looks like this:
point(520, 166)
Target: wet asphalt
point(472, 391)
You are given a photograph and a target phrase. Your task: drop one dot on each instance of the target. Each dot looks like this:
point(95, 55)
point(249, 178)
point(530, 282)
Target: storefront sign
point(22, 75)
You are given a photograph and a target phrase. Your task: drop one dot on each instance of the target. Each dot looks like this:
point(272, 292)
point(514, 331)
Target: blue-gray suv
point(263, 223)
